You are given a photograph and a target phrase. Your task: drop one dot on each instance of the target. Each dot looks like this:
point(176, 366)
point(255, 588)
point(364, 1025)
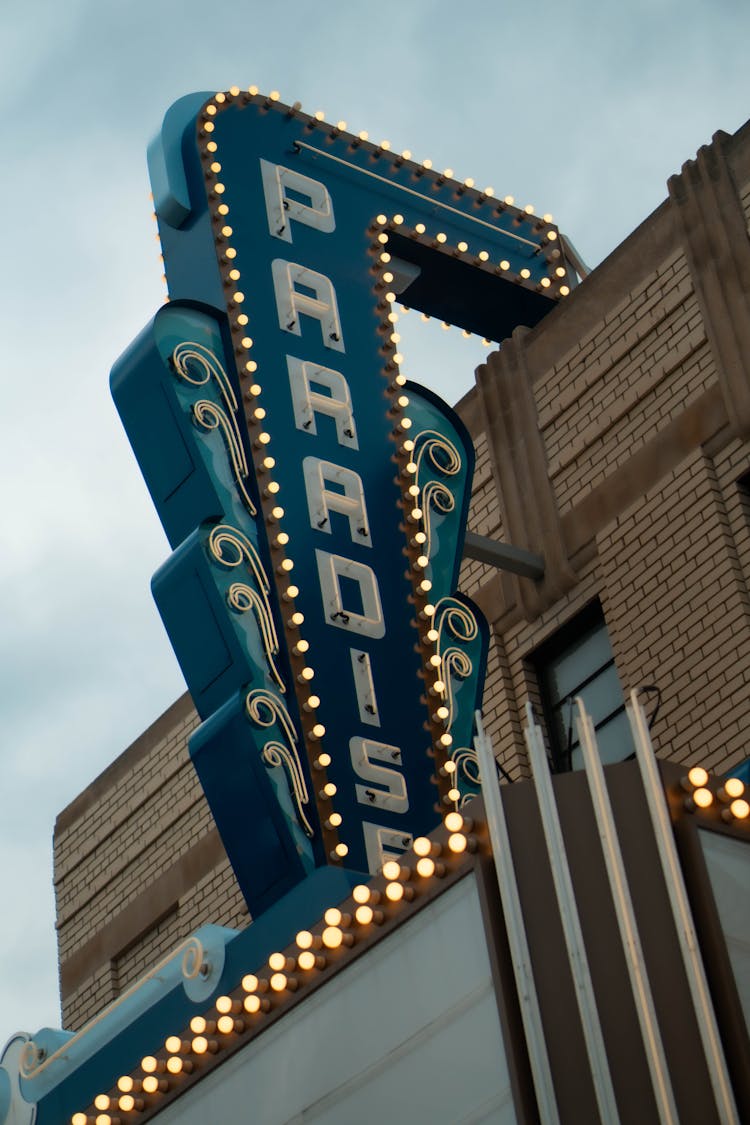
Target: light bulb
point(332, 937)
point(454, 822)
point(697, 776)
point(740, 809)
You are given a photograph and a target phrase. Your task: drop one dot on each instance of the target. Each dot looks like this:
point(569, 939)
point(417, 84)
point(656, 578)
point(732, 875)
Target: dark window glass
point(578, 661)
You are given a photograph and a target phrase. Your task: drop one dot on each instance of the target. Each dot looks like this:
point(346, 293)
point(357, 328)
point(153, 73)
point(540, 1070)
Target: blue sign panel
point(316, 501)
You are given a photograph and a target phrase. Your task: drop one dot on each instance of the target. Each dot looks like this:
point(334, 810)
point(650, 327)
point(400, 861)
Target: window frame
point(585, 623)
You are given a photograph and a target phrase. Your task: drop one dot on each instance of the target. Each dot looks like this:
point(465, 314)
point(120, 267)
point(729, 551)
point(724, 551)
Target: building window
point(578, 661)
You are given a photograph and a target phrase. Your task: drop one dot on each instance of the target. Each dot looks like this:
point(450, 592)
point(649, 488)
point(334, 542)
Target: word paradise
point(314, 499)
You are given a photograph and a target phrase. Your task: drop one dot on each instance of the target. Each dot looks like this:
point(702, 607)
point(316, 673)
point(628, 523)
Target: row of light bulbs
point(481, 257)
point(222, 99)
point(414, 514)
point(728, 795)
point(274, 984)
point(265, 463)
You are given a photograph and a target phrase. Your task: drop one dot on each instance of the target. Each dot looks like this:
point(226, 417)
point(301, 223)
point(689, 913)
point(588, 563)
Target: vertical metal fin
point(519, 946)
point(579, 965)
point(629, 936)
point(691, 956)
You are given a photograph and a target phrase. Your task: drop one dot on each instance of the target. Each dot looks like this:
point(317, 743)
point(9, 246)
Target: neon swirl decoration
point(230, 548)
point(467, 765)
point(266, 710)
point(435, 454)
point(198, 365)
point(453, 620)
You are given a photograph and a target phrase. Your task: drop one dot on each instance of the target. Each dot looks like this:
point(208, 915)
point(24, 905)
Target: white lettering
point(382, 844)
point(307, 402)
point(364, 687)
point(349, 499)
point(292, 302)
point(331, 569)
point(364, 753)
point(282, 208)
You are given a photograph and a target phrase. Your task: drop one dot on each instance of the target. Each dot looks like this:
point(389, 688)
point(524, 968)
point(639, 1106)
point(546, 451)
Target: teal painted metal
point(115, 1044)
point(316, 503)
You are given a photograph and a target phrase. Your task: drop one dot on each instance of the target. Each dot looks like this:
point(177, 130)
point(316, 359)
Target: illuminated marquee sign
point(315, 500)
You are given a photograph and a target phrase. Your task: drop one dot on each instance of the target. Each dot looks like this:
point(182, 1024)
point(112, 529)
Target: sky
point(583, 109)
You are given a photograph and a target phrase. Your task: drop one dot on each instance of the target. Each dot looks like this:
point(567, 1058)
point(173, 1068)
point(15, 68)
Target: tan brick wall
point(105, 859)
point(677, 608)
point(215, 899)
point(646, 359)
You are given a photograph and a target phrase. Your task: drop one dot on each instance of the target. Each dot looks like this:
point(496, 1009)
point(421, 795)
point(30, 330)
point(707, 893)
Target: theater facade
point(292, 898)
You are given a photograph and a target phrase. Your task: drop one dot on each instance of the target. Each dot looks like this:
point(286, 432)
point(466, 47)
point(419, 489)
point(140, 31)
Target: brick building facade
point(614, 440)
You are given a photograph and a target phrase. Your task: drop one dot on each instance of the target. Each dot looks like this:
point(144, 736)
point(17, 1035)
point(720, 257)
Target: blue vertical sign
point(316, 502)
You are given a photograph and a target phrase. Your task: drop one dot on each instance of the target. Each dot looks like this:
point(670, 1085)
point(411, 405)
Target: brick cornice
point(712, 227)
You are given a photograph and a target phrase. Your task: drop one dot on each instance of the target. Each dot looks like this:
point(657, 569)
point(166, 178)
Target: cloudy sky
point(582, 108)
